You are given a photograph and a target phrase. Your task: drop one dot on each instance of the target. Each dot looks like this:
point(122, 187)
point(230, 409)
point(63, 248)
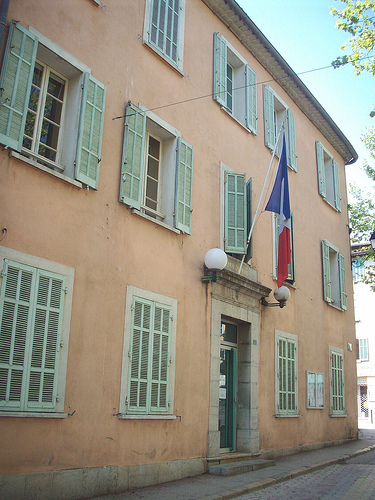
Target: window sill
point(338, 308)
point(278, 415)
point(162, 56)
point(314, 408)
point(39, 166)
point(223, 108)
point(124, 416)
point(338, 415)
point(331, 204)
point(155, 221)
point(22, 414)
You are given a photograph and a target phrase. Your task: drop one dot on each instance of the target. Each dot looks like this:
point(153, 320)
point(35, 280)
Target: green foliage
point(357, 19)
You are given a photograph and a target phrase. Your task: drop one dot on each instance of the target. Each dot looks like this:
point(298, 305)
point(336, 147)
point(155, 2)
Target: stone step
point(231, 469)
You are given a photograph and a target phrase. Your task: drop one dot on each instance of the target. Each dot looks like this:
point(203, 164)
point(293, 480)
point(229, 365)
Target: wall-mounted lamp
point(281, 294)
point(214, 260)
point(372, 240)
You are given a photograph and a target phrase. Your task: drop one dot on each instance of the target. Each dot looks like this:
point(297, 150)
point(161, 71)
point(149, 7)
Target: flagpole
point(260, 198)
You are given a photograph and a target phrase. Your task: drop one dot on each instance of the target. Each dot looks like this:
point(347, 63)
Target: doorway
point(228, 386)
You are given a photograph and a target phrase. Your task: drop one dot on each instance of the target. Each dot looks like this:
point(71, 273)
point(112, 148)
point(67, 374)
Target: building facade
point(364, 300)
point(136, 136)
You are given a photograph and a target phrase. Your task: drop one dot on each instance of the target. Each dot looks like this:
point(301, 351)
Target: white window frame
point(172, 304)
point(334, 285)
point(68, 273)
point(239, 93)
point(292, 339)
point(180, 43)
point(337, 394)
point(314, 390)
point(328, 177)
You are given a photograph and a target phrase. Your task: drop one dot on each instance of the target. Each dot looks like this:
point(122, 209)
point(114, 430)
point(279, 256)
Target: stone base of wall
point(74, 484)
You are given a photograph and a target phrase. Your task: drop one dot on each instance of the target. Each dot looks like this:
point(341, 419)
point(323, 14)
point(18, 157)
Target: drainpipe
point(3, 17)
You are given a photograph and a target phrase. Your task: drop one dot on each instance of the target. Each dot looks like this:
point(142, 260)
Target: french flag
point(279, 204)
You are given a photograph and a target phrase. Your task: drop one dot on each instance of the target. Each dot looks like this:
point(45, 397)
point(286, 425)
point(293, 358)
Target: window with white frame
point(291, 267)
point(52, 107)
point(237, 213)
point(286, 370)
point(235, 86)
point(336, 370)
point(314, 390)
point(276, 116)
point(35, 307)
point(164, 29)
point(362, 349)
point(157, 170)
point(328, 177)
point(334, 276)
point(147, 385)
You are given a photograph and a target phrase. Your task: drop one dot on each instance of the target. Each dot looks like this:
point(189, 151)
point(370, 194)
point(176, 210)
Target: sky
point(304, 33)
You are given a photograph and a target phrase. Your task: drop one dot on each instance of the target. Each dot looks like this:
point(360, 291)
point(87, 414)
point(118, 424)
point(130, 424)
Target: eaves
point(234, 17)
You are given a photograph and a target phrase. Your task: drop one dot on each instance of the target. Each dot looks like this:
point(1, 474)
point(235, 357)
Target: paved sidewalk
point(212, 487)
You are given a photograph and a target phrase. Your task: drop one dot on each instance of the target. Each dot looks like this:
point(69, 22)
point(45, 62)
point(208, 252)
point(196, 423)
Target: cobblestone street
point(352, 480)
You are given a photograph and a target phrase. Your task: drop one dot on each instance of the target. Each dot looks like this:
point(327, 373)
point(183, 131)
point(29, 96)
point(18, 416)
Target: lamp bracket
point(280, 304)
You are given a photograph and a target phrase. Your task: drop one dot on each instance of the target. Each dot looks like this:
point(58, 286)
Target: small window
point(157, 170)
point(276, 115)
point(291, 267)
point(35, 305)
point(164, 29)
point(235, 86)
point(362, 349)
point(149, 354)
point(358, 269)
point(328, 177)
point(286, 374)
point(336, 368)
point(54, 113)
point(315, 390)
point(334, 280)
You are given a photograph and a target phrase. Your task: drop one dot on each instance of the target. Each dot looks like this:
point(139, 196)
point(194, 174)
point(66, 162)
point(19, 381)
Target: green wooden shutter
point(235, 213)
point(249, 218)
point(45, 341)
point(15, 82)
point(159, 394)
point(139, 356)
point(269, 118)
point(287, 376)
point(292, 152)
point(133, 157)
point(321, 169)
point(327, 287)
point(336, 181)
point(220, 69)
point(342, 282)
point(251, 99)
point(164, 25)
point(184, 186)
point(337, 383)
point(16, 317)
point(90, 132)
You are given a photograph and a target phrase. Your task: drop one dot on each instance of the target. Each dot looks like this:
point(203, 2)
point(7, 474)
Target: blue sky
point(304, 33)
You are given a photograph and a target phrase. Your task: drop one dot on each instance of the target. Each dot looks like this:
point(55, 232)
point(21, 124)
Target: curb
point(264, 483)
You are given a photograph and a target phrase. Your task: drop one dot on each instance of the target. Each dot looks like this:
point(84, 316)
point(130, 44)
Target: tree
point(358, 19)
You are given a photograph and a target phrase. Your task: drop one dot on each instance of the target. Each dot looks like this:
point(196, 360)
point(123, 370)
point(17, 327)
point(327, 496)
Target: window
point(358, 269)
point(291, 267)
point(336, 370)
point(334, 280)
point(149, 350)
point(164, 29)
point(237, 214)
point(235, 86)
point(315, 390)
point(52, 108)
point(157, 170)
point(276, 114)
point(362, 349)
point(286, 374)
point(35, 305)
point(328, 177)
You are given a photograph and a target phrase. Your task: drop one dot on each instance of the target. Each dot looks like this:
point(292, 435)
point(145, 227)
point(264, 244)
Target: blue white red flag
point(279, 204)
